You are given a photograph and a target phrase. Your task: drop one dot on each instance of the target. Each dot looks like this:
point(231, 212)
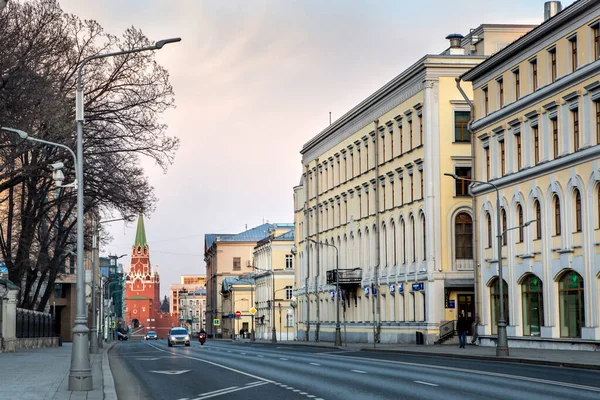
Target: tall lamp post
point(502, 345)
point(338, 330)
point(80, 375)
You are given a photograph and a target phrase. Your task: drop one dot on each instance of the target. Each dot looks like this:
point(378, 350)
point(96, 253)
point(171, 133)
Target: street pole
point(274, 331)
point(94, 330)
point(280, 318)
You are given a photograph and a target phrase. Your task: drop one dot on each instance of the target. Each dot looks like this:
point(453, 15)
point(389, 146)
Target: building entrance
point(466, 306)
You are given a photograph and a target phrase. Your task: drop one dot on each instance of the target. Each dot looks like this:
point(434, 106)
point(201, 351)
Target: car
point(151, 336)
point(178, 336)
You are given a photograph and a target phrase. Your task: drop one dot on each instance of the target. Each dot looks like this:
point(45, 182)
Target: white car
point(178, 336)
point(151, 336)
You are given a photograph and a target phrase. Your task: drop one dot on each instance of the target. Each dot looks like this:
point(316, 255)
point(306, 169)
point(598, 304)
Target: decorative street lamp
point(338, 331)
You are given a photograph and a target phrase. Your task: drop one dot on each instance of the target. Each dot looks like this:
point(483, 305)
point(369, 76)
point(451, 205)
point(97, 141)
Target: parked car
point(178, 336)
point(151, 336)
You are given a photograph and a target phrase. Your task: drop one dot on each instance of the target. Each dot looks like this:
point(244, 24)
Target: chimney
point(455, 48)
point(551, 8)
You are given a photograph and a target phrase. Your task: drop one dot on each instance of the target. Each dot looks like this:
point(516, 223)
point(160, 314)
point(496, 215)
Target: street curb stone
point(108, 382)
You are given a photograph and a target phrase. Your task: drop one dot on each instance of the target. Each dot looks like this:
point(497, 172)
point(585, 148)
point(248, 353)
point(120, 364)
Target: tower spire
point(140, 235)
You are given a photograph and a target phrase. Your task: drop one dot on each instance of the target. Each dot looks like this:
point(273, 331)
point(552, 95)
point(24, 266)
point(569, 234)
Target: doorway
point(465, 304)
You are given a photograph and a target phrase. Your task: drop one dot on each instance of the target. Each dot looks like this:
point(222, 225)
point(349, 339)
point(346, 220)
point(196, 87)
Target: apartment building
point(187, 284)
point(372, 202)
point(537, 130)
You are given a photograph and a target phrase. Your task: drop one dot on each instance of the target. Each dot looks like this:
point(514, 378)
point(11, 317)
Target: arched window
point(424, 238)
point(503, 216)
point(538, 219)
point(571, 306)
point(495, 304)
point(533, 306)
point(414, 239)
point(463, 236)
point(489, 231)
point(403, 226)
point(395, 249)
point(557, 226)
point(578, 220)
point(520, 222)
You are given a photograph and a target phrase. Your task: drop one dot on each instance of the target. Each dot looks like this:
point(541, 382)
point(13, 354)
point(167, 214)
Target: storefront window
point(572, 312)
point(495, 297)
point(533, 306)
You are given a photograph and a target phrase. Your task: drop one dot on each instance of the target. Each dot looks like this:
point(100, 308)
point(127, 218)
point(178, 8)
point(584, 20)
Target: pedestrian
point(461, 328)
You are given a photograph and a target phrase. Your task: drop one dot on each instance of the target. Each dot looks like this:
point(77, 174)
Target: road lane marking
point(303, 393)
point(260, 356)
point(243, 353)
point(358, 371)
point(253, 383)
point(229, 391)
point(217, 391)
point(314, 364)
point(426, 383)
point(172, 372)
point(283, 359)
point(487, 373)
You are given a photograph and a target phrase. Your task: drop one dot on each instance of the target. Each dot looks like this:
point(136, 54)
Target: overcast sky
point(256, 79)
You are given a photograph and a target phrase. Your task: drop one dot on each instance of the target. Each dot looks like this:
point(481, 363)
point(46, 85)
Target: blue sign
point(367, 290)
point(332, 294)
point(400, 288)
point(417, 286)
point(374, 290)
point(231, 315)
point(392, 288)
point(451, 304)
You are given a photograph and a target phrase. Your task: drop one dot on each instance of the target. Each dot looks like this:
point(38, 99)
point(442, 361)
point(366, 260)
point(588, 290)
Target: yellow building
point(537, 130)
point(372, 191)
point(230, 255)
point(274, 282)
point(188, 283)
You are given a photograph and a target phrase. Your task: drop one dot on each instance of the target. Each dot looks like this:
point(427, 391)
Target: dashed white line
point(303, 393)
point(243, 353)
point(310, 395)
point(426, 383)
point(260, 356)
point(296, 390)
point(358, 371)
point(283, 359)
point(314, 364)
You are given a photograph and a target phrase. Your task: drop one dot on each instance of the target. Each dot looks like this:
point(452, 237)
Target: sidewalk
point(563, 358)
point(44, 374)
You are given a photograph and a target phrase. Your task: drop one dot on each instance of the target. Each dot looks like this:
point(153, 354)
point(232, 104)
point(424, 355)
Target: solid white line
point(426, 383)
point(495, 374)
point(217, 391)
point(359, 371)
point(284, 359)
point(231, 391)
point(253, 383)
point(314, 364)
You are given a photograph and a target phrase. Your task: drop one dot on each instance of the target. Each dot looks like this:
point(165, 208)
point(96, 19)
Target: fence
point(34, 324)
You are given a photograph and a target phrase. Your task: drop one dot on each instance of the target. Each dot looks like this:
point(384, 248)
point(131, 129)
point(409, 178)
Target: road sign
point(113, 324)
point(216, 322)
point(238, 314)
point(230, 316)
point(253, 310)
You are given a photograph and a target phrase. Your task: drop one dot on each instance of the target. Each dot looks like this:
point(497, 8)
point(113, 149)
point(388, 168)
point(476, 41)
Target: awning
point(459, 283)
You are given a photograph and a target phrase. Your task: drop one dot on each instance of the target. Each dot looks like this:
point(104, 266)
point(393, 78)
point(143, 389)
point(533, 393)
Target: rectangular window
point(486, 100)
point(420, 129)
point(237, 263)
point(410, 135)
point(500, 92)
point(554, 124)
point(422, 185)
point(401, 191)
point(461, 121)
point(391, 144)
point(596, 33)
point(575, 114)
point(502, 159)
point(597, 122)
point(345, 168)
point(519, 150)
point(401, 139)
point(534, 74)
point(359, 162)
point(462, 187)
point(574, 60)
point(536, 145)
point(487, 163)
point(289, 261)
point(517, 84)
point(552, 58)
point(393, 194)
point(288, 293)
point(352, 164)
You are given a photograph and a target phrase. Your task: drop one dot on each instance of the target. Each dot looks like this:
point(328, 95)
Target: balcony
point(347, 276)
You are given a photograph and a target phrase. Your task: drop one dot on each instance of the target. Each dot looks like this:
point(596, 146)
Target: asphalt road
point(151, 370)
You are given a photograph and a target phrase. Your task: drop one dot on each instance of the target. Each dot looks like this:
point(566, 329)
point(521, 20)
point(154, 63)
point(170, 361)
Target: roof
point(251, 235)
point(289, 235)
point(140, 234)
point(229, 281)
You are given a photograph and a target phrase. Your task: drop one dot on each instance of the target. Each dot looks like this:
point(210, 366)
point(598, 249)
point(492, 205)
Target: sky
point(256, 79)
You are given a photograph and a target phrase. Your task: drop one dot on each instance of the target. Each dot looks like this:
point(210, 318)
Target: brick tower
point(142, 292)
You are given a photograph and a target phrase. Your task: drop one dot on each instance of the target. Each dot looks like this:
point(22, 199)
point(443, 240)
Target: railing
point(463, 265)
point(34, 324)
point(347, 276)
point(446, 331)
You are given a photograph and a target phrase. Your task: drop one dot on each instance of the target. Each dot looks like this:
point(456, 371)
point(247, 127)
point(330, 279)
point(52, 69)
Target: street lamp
point(338, 331)
point(80, 374)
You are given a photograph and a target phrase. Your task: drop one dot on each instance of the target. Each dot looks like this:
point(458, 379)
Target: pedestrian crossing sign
point(216, 322)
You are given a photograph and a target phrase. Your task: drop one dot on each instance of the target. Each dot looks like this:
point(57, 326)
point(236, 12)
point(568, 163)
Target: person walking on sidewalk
point(461, 328)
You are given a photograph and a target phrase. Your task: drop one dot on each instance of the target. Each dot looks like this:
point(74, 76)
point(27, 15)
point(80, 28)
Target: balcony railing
point(347, 276)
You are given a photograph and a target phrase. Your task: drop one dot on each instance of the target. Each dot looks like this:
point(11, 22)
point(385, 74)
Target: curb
point(488, 358)
point(108, 382)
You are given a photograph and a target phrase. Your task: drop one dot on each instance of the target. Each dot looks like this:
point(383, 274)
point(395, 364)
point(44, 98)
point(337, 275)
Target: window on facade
point(288, 293)
point(534, 74)
point(538, 219)
point(382, 149)
point(575, 115)
point(552, 58)
point(237, 263)
point(289, 261)
point(520, 222)
point(463, 232)
point(503, 218)
point(420, 129)
point(412, 188)
point(536, 145)
point(487, 162)
point(410, 135)
point(401, 190)
point(489, 230)
point(359, 162)
point(557, 225)
point(403, 228)
point(391, 144)
point(517, 77)
point(401, 138)
point(368, 203)
point(533, 305)
point(502, 159)
point(596, 35)
point(554, 124)
point(352, 164)
point(571, 305)
point(392, 187)
point(597, 104)
point(462, 186)
point(486, 100)
point(395, 245)
point(495, 303)
point(519, 151)
point(366, 156)
point(421, 175)
point(574, 60)
point(424, 231)
point(500, 92)
point(461, 121)
point(578, 217)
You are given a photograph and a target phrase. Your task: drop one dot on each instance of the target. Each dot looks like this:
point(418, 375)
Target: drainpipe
point(377, 302)
point(306, 279)
point(474, 211)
